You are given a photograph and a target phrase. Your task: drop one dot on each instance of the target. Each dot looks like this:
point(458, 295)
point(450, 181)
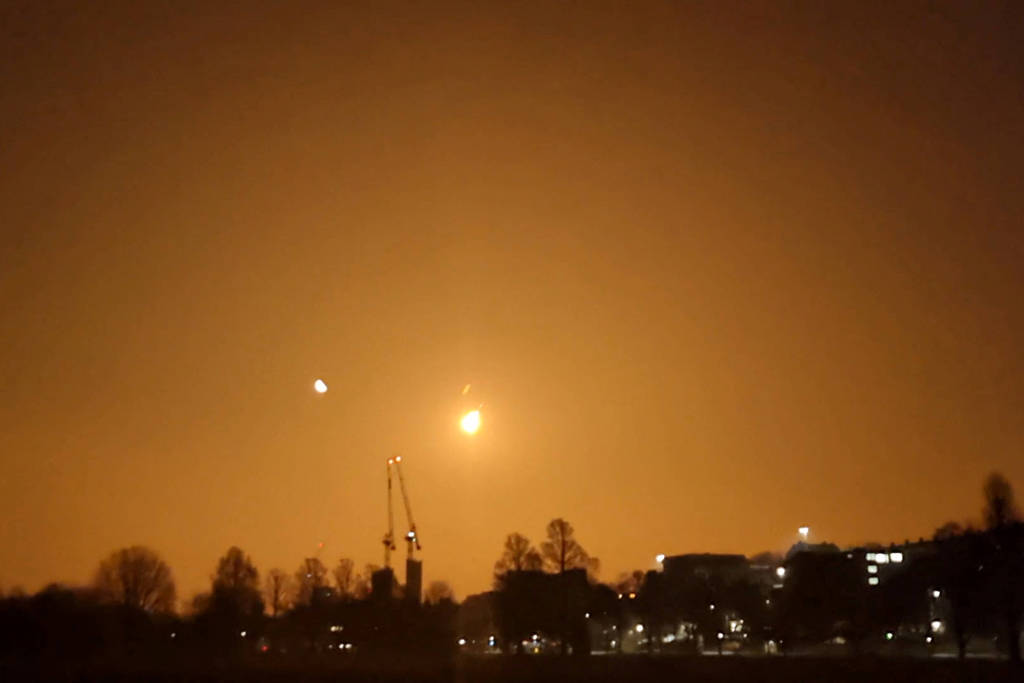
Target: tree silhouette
point(518, 554)
point(136, 577)
point(345, 578)
point(310, 578)
point(277, 590)
point(236, 584)
point(1004, 569)
point(562, 551)
point(1000, 508)
point(438, 591)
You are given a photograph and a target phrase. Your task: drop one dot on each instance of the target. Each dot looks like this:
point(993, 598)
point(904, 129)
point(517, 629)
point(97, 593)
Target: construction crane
point(411, 539)
point(389, 537)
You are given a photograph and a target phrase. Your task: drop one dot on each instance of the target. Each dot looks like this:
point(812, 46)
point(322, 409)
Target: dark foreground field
point(515, 669)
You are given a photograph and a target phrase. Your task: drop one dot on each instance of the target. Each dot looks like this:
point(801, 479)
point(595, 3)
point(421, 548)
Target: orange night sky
point(714, 270)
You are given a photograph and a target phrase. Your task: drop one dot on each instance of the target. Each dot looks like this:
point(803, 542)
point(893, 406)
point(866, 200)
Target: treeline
point(128, 611)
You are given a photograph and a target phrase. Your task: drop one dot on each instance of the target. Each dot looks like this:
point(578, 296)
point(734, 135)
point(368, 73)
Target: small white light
point(639, 628)
point(780, 572)
point(659, 558)
point(462, 641)
point(711, 607)
point(889, 635)
point(872, 580)
point(896, 557)
point(872, 569)
point(936, 594)
point(534, 637)
point(174, 635)
point(320, 386)
point(242, 634)
point(881, 558)
point(928, 639)
point(804, 531)
point(586, 615)
point(721, 635)
point(936, 624)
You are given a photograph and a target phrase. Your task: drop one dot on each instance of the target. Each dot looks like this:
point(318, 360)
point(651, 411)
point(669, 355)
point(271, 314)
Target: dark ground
point(515, 669)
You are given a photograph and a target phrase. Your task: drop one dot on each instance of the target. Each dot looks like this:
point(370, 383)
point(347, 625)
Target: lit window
point(872, 569)
point(872, 580)
point(881, 558)
point(896, 557)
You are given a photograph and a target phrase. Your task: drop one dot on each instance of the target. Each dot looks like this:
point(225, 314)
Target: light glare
point(470, 422)
point(320, 386)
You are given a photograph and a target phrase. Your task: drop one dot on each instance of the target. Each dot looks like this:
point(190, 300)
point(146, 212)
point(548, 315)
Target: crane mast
point(412, 540)
point(389, 537)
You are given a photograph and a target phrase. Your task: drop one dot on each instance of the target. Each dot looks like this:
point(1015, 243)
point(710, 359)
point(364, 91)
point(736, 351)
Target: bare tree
point(277, 591)
point(236, 583)
point(1000, 508)
point(948, 531)
point(309, 578)
point(345, 578)
point(562, 551)
point(517, 555)
point(136, 577)
point(236, 571)
point(438, 591)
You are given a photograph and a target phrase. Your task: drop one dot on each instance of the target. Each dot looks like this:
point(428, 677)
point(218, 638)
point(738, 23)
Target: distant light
point(882, 558)
point(872, 569)
point(896, 557)
point(711, 607)
point(398, 458)
point(462, 641)
point(320, 386)
point(889, 635)
point(928, 639)
point(174, 635)
point(470, 422)
point(620, 596)
point(632, 596)
point(534, 637)
point(872, 580)
point(721, 635)
point(639, 628)
point(264, 648)
point(780, 572)
point(587, 615)
point(659, 558)
point(936, 624)
point(804, 531)
point(936, 594)
point(242, 634)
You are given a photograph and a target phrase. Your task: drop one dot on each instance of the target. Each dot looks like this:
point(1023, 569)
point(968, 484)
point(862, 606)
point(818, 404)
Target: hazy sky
point(715, 270)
